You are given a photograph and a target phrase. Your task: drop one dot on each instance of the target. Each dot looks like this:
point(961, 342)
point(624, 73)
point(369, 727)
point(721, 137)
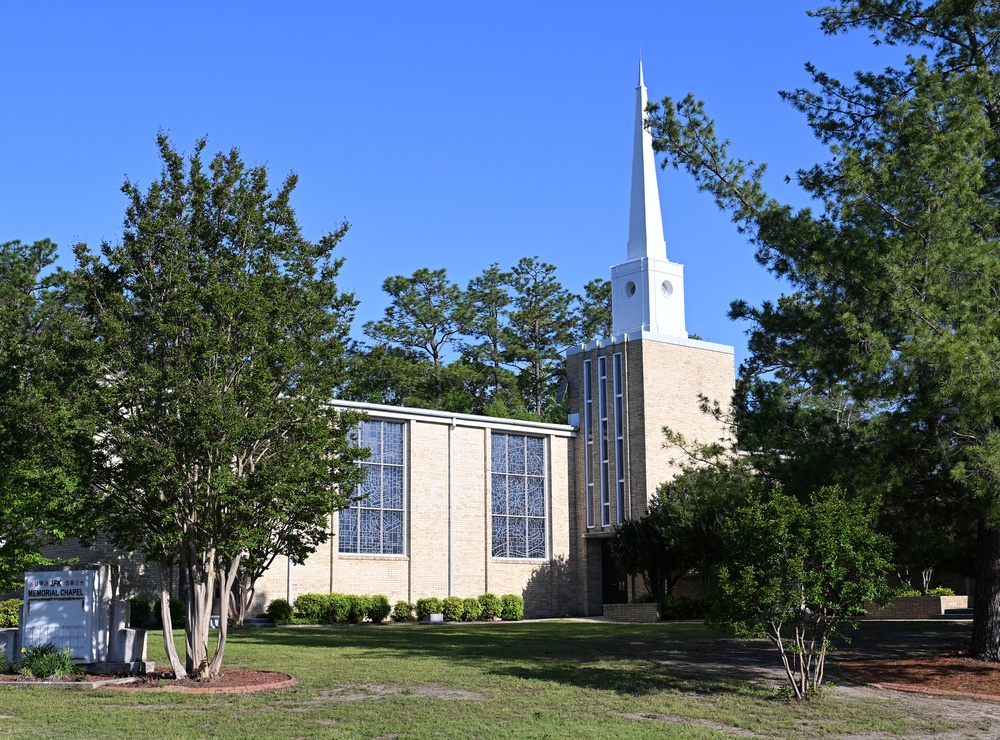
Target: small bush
point(682, 607)
point(339, 607)
point(280, 611)
point(177, 612)
point(311, 608)
point(42, 661)
point(644, 599)
point(140, 611)
point(10, 613)
point(379, 609)
point(360, 606)
point(427, 606)
point(471, 610)
point(402, 612)
point(513, 607)
point(453, 608)
point(941, 591)
point(492, 607)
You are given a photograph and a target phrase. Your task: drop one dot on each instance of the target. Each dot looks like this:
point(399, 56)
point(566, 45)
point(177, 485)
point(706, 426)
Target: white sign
point(68, 607)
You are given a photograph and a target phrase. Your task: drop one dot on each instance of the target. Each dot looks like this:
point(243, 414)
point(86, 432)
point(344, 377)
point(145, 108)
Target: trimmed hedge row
point(349, 608)
point(487, 607)
point(331, 609)
point(10, 613)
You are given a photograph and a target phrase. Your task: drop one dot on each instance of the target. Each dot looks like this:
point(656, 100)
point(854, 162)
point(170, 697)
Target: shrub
point(492, 607)
point(452, 608)
point(10, 613)
point(402, 612)
point(177, 612)
point(360, 605)
point(339, 607)
point(471, 610)
point(513, 607)
point(379, 608)
point(644, 599)
point(42, 661)
point(140, 611)
point(427, 606)
point(311, 608)
point(682, 607)
point(279, 611)
point(941, 591)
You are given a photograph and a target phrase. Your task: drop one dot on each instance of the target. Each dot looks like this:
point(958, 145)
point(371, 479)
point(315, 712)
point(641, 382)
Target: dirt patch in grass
point(381, 691)
point(239, 681)
point(954, 674)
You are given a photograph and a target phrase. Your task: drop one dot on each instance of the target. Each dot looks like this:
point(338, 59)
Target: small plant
point(512, 607)
point(42, 661)
point(492, 607)
point(339, 608)
point(402, 612)
point(471, 609)
point(10, 613)
point(427, 606)
point(140, 611)
point(379, 609)
point(311, 608)
point(280, 611)
point(360, 606)
point(452, 608)
point(682, 607)
point(177, 610)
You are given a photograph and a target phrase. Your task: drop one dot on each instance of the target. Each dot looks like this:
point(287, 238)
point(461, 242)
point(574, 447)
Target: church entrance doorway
point(614, 584)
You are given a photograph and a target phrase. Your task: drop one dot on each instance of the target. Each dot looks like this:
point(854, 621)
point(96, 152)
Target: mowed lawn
point(523, 680)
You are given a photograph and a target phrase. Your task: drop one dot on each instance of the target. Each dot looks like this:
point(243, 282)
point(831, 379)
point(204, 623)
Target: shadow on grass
point(629, 659)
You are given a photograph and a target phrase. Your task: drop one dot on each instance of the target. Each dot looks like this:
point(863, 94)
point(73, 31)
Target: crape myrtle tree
point(46, 431)
point(219, 339)
point(895, 273)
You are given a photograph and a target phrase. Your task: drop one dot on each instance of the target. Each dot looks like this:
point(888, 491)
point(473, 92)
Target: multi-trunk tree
point(896, 276)
point(218, 333)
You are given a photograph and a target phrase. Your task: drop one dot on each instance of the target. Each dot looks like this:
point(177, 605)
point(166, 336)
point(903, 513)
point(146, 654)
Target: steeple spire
point(645, 228)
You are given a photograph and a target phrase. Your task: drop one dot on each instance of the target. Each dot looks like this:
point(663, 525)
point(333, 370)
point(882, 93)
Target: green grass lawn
point(524, 680)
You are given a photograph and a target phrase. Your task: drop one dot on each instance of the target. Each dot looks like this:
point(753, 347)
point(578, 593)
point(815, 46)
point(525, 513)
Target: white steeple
point(645, 224)
point(647, 289)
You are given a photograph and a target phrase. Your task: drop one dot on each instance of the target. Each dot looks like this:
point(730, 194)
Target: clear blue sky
point(448, 134)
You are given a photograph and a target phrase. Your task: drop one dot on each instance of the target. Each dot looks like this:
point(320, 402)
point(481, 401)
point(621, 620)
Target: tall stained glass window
point(588, 431)
point(518, 496)
point(602, 409)
point(616, 369)
point(373, 524)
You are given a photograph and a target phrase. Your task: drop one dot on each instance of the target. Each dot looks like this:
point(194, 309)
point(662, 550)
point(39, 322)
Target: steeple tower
point(648, 290)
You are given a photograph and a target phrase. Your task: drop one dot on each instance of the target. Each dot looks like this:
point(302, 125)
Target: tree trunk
point(168, 629)
point(986, 602)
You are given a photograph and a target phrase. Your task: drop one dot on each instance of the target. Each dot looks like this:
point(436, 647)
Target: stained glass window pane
point(499, 494)
point(392, 451)
point(517, 537)
point(371, 437)
point(392, 487)
point(499, 537)
point(536, 497)
point(498, 451)
point(536, 538)
point(373, 488)
point(536, 456)
point(515, 454)
point(392, 532)
point(515, 496)
point(348, 534)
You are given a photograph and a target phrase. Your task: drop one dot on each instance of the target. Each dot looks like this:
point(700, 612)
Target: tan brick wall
point(916, 607)
point(136, 577)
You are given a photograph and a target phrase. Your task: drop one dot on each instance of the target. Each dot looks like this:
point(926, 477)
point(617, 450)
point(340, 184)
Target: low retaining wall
point(916, 607)
point(632, 612)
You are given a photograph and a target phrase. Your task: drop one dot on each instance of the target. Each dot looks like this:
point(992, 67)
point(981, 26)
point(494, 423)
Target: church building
point(456, 504)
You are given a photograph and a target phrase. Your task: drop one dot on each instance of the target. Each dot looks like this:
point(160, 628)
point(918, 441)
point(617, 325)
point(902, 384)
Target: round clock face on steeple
point(629, 289)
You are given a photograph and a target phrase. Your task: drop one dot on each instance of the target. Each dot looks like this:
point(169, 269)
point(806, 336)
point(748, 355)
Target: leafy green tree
point(645, 547)
point(796, 573)
point(595, 311)
point(425, 315)
point(486, 322)
point(45, 429)
point(539, 330)
point(896, 279)
point(219, 334)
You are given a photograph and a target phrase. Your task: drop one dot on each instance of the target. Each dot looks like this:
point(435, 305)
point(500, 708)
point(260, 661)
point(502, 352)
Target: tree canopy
point(894, 314)
point(219, 336)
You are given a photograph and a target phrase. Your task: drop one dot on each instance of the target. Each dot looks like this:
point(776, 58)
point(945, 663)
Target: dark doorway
point(614, 587)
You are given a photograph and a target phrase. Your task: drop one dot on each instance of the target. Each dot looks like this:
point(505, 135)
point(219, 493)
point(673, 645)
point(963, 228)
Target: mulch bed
point(228, 681)
point(949, 674)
